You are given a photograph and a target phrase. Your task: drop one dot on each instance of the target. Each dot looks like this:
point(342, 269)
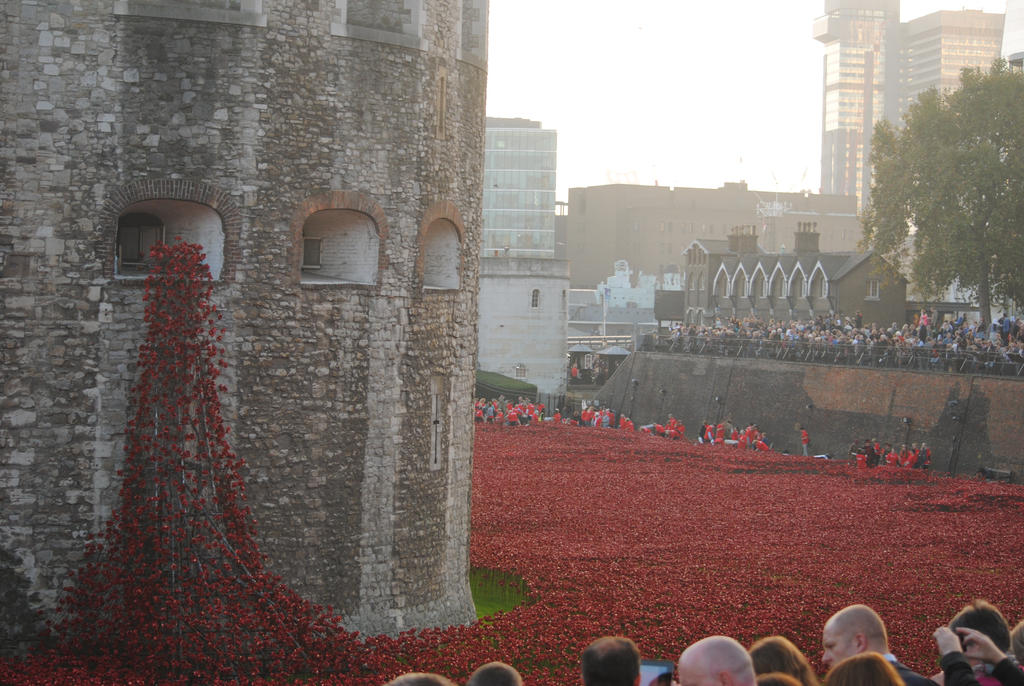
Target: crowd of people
point(957, 345)
point(1007, 332)
point(867, 453)
point(871, 453)
point(976, 648)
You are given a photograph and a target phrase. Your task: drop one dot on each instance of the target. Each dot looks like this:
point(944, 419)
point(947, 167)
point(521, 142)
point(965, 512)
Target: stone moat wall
point(351, 402)
point(968, 421)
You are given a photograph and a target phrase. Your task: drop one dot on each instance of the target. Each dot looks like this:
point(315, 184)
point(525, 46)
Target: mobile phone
point(656, 672)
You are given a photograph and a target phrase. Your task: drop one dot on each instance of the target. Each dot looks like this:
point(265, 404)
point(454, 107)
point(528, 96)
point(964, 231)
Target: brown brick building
point(736, 278)
point(650, 226)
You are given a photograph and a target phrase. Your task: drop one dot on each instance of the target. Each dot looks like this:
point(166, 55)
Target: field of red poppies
point(668, 542)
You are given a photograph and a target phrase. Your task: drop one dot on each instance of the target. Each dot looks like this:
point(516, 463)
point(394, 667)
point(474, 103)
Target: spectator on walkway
point(778, 654)
point(495, 674)
point(864, 669)
point(611, 661)
point(716, 661)
point(1017, 641)
point(858, 629)
point(964, 646)
point(776, 679)
point(983, 617)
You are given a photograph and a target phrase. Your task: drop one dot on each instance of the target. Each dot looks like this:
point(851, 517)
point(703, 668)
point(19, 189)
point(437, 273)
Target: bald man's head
point(851, 631)
point(716, 661)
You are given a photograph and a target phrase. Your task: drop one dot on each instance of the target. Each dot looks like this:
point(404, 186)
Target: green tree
point(947, 192)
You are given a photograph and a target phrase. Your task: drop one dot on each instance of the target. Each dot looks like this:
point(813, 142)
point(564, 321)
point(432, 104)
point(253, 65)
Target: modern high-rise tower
point(519, 189)
point(875, 67)
point(1013, 33)
point(860, 87)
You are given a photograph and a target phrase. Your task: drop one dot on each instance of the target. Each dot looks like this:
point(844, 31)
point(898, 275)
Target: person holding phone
point(963, 644)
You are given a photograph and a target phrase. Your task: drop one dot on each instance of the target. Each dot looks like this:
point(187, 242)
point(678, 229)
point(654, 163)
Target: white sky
point(685, 92)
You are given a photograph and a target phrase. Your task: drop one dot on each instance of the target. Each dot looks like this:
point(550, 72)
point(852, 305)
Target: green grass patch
point(490, 384)
point(495, 591)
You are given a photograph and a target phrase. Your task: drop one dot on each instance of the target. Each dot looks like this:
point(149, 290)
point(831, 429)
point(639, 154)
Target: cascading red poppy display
point(614, 532)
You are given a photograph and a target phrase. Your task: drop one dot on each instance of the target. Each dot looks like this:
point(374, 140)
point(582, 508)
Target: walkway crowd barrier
point(874, 355)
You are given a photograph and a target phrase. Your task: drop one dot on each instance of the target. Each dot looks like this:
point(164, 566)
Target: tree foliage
point(947, 193)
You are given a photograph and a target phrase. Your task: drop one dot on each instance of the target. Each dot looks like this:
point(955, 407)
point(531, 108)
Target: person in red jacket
point(805, 439)
point(911, 457)
point(720, 434)
point(587, 416)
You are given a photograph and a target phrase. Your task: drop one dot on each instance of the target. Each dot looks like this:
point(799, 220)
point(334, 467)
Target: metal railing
point(873, 355)
point(597, 342)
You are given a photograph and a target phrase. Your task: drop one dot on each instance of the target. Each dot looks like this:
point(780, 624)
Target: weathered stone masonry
point(237, 122)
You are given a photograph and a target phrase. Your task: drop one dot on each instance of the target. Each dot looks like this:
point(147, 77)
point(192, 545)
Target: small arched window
point(340, 246)
point(144, 224)
point(441, 255)
point(535, 298)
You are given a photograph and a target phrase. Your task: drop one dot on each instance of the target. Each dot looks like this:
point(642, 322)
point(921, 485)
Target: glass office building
point(519, 189)
point(860, 79)
point(1013, 33)
point(875, 68)
point(938, 45)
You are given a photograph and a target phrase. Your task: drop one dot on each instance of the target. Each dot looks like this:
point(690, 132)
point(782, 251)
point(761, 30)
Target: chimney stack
point(743, 240)
point(806, 238)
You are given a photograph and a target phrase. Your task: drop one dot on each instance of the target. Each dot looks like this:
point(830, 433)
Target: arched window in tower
point(441, 253)
point(535, 298)
point(340, 246)
point(142, 225)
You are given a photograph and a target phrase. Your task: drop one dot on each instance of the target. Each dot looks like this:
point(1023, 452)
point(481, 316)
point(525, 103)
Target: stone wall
point(265, 114)
point(513, 331)
point(968, 421)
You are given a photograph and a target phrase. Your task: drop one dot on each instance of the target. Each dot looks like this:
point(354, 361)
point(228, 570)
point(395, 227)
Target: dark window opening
point(137, 233)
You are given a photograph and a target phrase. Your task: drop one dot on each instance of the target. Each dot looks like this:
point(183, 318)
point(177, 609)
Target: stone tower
point(328, 155)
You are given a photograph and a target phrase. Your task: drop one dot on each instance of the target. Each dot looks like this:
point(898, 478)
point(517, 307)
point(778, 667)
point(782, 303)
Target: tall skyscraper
point(875, 67)
point(860, 86)
point(1013, 33)
point(937, 46)
point(519, 189)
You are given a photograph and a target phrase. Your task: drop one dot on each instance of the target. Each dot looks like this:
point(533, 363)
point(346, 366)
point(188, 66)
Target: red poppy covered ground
point(667, 542)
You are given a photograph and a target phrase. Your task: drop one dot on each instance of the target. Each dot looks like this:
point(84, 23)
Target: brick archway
point(447, 211)
point(337, 200)
point(213, 197)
